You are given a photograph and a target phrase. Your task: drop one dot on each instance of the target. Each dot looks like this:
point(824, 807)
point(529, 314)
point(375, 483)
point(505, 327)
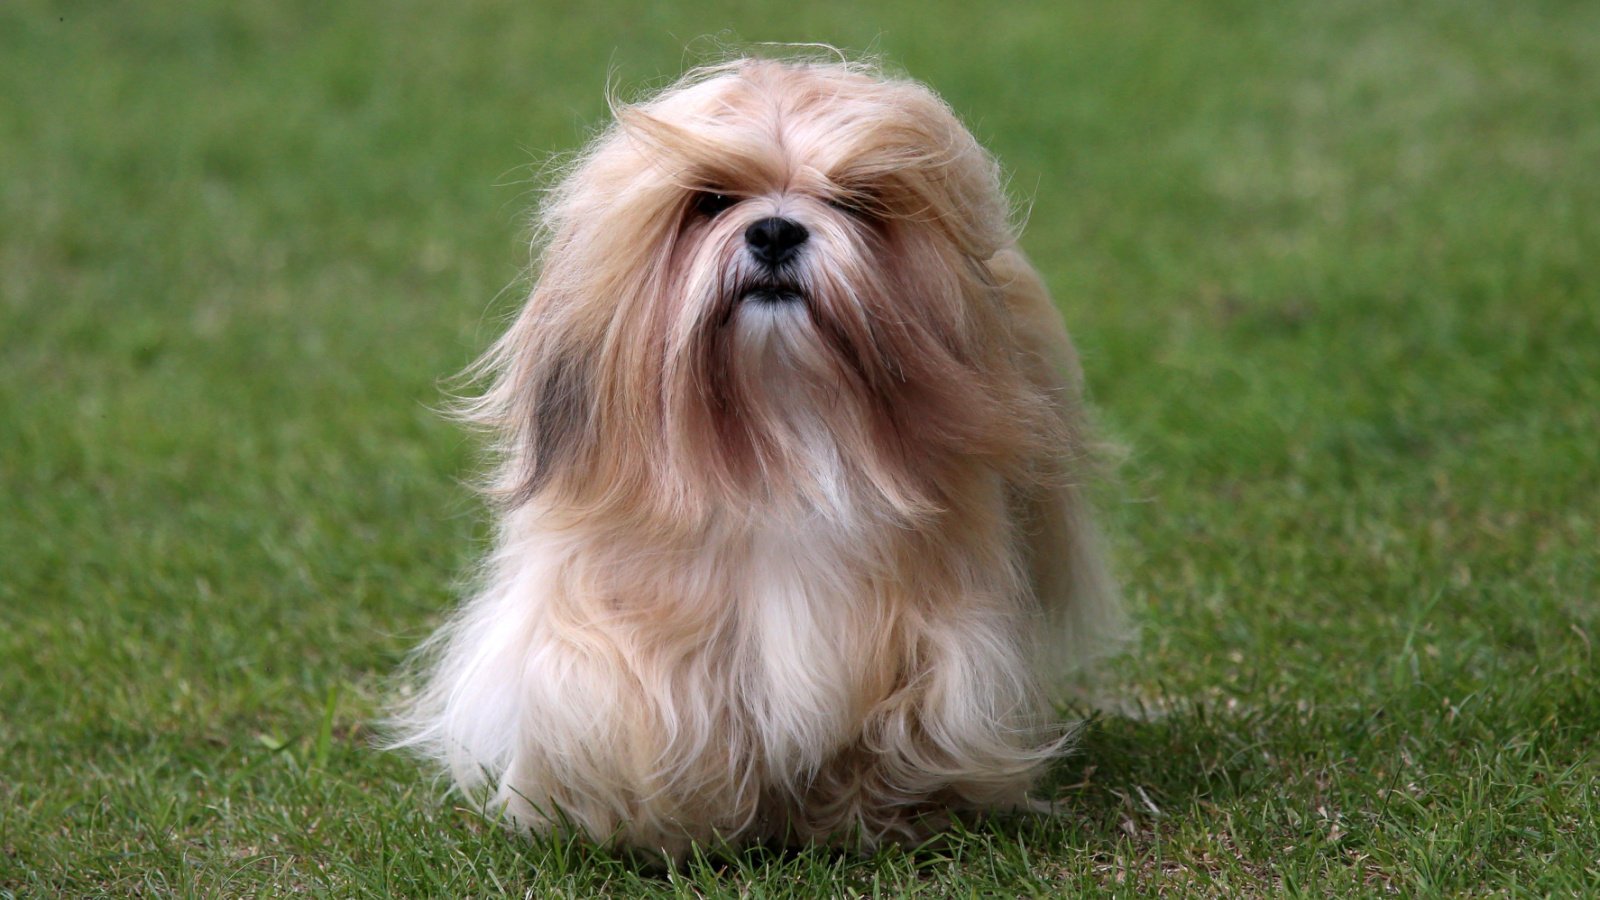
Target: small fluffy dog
point(792, 531)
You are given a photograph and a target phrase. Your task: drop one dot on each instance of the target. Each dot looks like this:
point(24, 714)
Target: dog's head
point(768, 285)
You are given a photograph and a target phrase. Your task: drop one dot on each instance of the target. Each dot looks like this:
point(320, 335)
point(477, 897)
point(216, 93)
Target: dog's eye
point(852, 205)
point(710, 203)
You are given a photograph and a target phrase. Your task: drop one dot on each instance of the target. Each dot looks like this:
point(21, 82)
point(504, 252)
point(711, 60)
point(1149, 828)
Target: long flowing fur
point(794, 571)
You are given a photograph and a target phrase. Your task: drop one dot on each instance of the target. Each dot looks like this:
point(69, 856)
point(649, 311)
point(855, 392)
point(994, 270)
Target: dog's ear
point(539, 401)
point(557, 430)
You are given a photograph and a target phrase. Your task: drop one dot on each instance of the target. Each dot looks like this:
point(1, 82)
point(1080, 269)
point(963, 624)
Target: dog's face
point(768, 286)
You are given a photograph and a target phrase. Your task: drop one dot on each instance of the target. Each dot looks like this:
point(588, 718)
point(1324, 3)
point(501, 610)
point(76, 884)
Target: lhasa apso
point(792, 530)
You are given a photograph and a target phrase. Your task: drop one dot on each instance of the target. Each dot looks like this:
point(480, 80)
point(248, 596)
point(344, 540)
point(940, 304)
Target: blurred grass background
point(1332, 267)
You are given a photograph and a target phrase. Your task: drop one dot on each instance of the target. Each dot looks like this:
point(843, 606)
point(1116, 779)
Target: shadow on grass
point(1126, 771)
point(1128, 778)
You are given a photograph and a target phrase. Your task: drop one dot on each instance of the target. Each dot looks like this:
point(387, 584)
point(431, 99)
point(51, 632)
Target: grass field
point(1334, 270)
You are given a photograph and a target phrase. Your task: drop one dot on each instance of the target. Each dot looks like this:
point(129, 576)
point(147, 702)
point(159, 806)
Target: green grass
point(1334, 269)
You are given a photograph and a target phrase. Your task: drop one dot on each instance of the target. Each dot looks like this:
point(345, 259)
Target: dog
point(792, 530)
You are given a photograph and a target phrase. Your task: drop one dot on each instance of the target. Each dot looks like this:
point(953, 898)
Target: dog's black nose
point(775, 240)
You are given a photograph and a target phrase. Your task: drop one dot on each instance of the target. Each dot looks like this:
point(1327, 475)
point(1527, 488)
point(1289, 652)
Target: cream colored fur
point(796, 571)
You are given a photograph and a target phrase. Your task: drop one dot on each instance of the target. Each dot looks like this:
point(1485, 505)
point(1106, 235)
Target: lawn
point(1334, 269)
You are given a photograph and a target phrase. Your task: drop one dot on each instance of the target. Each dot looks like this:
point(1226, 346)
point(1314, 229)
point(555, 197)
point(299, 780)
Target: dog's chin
point(774, 345)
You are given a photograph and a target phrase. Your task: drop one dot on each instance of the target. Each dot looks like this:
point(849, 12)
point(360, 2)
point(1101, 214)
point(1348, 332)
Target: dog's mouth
point(773, 291)
point(774, 295)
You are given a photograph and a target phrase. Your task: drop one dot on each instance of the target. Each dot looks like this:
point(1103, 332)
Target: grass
point(1334, 268)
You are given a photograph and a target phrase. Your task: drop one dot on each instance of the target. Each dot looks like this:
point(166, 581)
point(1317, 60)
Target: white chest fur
point(802, 609)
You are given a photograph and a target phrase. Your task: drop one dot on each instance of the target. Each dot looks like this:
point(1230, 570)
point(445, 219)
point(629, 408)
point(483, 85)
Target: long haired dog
point(791, 529)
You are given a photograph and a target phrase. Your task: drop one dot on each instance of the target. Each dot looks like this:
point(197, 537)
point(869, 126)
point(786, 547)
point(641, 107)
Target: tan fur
point(794, 571)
